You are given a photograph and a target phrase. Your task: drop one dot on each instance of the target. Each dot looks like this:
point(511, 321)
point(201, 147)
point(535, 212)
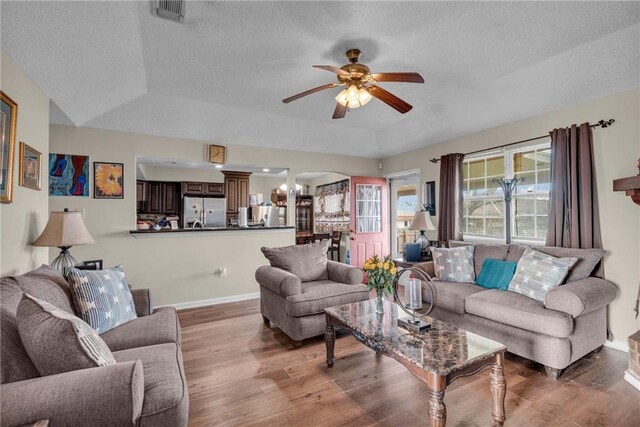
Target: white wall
point(170, 173)
point(178, 268)
point(23, 220)
point(617, 150)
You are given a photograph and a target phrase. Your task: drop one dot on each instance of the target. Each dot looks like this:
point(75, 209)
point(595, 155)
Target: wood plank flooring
point(242, 373)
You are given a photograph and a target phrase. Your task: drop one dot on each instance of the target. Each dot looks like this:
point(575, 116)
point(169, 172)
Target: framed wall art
point(108, 180)
point(8, 121)
point(68, 175)
point(30, 167)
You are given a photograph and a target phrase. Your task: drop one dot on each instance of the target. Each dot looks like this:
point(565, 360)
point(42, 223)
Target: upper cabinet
point(157, 197)
point(236, 189)
point(210, 189)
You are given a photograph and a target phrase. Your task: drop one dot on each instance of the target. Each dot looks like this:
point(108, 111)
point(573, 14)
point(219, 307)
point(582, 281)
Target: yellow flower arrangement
point(380, 274)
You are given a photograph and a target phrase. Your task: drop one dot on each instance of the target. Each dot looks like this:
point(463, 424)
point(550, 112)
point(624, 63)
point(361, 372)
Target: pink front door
point(369, 232)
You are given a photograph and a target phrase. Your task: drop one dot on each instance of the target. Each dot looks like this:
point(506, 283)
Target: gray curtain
point(573, 211)
point(450, 219)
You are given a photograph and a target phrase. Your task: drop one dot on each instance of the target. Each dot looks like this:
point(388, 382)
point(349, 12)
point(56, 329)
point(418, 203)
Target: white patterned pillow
point(454, 264)
point(57, 341)
point(102, 297)
point(538, 273)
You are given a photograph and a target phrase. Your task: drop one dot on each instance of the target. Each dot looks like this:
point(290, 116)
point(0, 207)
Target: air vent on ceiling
point(173, 10)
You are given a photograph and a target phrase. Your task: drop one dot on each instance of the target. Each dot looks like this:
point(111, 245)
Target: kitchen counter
point(207, 230)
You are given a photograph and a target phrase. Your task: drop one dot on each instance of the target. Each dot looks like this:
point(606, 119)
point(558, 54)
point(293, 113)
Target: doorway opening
point(404, 204)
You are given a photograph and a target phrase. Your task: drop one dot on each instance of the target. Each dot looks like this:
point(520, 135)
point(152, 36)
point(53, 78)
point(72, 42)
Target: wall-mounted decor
point(68, 175)
point(255, 199)
point(331, 206)
point(108, 180)
point(8, 120)
point(30, 175)
point(95, 264)
point(217, 154)
point(429, 200)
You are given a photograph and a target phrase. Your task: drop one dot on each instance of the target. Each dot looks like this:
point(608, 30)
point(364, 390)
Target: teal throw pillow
point(496, 274)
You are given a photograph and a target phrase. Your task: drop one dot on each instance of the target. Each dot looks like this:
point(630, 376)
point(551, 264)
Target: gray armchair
point(300, 283)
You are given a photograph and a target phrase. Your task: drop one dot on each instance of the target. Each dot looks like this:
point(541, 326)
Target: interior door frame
point(392, 204)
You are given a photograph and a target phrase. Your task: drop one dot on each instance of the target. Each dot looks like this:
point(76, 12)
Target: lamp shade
point(64, 229)
point(422, 221)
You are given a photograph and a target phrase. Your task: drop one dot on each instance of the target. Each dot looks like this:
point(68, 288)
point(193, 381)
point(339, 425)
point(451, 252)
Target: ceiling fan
point(360, 86)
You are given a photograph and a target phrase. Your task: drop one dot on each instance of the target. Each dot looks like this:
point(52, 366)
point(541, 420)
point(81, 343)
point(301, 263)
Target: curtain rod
point(602, 123)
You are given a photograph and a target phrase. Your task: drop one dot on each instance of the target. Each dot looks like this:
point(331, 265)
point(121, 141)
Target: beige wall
point(617, 150)
point(169, 173)
point(24, 219)
point(177, 268)
point(264, 185)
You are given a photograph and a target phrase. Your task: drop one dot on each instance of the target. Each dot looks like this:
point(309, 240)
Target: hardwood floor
point(241, 372)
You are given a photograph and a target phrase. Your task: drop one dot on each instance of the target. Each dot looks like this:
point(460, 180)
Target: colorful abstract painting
point(108, 180)
point(68, 175)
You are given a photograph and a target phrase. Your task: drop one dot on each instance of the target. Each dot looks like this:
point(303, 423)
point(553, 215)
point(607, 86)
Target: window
point(483, 206)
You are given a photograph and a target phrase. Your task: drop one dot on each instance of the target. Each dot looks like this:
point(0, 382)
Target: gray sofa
point(294, 295)
point(571, 323)
point(147, 387)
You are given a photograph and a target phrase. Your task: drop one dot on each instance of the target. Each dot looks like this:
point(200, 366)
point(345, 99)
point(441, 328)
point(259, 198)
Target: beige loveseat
point(571, 323)
point(147, 386)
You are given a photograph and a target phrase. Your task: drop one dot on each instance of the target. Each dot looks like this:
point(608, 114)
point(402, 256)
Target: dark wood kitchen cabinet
point(157, 197)
point(209, 189)
point(171, 198)
point(236, 190)
point(141, 195)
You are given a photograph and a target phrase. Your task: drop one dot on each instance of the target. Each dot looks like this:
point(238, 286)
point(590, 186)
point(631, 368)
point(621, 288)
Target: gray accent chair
point(300, 283)
point(147, 387)
point(571, 323)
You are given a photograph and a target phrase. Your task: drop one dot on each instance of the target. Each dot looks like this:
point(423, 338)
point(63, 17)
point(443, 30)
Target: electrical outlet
point(222, 272)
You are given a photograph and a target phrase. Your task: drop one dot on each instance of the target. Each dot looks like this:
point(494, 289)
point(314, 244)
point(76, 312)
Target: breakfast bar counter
point(207, 230)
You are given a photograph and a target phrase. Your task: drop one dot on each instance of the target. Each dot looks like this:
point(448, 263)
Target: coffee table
point(437, 356)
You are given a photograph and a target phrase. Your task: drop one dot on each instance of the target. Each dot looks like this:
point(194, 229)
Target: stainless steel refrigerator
point(204, 212)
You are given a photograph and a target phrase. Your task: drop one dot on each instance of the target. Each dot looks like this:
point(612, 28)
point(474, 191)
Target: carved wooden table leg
point(330, 342)
point(498, 389)
point(437, 408)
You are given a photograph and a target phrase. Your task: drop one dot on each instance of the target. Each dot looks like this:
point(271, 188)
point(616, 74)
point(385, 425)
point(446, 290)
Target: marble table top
point(443, 349)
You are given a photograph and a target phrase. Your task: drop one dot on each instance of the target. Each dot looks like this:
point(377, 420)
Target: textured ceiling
point(221, 75)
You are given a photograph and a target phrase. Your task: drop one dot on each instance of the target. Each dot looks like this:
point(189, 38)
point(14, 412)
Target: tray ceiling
point(221, 75)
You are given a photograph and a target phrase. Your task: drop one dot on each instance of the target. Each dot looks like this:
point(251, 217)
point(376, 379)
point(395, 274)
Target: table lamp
point(64, 230)
point(421, 222)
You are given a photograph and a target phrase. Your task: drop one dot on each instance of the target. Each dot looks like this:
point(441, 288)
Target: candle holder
point(413, 296)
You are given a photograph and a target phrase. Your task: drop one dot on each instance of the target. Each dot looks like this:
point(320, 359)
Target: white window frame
point(508, 174)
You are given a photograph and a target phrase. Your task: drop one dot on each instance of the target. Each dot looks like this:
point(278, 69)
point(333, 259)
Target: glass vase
point(379, 301)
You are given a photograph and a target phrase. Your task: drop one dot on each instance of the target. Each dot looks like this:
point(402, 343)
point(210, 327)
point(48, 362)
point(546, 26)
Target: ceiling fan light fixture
point(353, 97)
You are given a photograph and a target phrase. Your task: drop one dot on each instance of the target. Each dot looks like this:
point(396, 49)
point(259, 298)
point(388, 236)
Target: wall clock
point(217, 154)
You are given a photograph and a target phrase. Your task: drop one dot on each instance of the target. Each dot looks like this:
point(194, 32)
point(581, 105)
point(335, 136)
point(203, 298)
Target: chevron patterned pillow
point(538, 273)
point(454, 264)
point(102, 297)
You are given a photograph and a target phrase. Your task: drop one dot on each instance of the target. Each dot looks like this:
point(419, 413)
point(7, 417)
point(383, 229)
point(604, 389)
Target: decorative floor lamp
point(64, 230)
point(508, 185)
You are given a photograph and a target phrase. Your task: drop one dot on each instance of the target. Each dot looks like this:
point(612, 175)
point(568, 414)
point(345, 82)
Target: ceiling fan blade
point(333, 69)
point(340, 111)
point(389, 98)
point(309, 92)
point(398, 77)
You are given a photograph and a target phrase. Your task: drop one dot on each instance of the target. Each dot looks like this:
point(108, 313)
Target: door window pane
point(368, 208)
point(405, 204)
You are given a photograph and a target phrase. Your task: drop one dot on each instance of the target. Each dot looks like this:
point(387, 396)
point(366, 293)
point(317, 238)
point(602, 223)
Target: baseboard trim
point(632, 380)
point(213, 301)
point(618, 345)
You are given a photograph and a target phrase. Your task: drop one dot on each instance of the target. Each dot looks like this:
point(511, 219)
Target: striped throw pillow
point(57, 341)
point(538, 273)
point(102, 297)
